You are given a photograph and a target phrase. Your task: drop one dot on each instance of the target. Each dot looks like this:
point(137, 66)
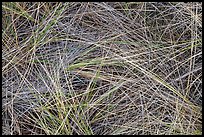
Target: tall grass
point(101, 68)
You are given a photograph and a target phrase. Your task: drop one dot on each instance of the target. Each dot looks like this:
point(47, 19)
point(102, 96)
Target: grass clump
point(92, 68)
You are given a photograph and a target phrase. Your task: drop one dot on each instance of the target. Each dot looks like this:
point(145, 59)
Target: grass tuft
point(110, 68)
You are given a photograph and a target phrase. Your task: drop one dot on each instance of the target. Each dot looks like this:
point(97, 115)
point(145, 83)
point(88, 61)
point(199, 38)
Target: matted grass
point(110, 68)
